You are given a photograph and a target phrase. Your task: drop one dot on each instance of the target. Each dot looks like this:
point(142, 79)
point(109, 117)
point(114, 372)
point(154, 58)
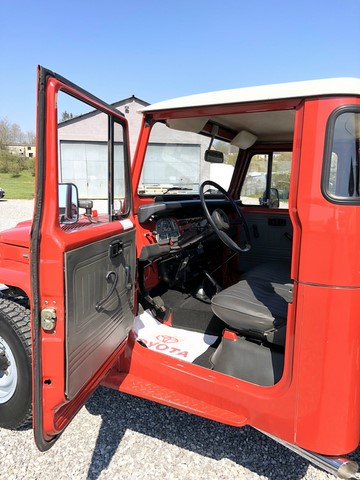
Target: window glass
point(255, 182)
point(280, 175)
point(85, 164)
point(171, 165)
point(91, 158)
point(267, 180)
point(174, 162)
point(119, 201)
point(342, 169)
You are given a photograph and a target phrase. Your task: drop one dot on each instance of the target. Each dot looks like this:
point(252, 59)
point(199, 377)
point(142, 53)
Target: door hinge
point(48, 318)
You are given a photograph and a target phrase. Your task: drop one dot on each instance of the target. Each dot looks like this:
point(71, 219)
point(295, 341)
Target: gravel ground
point(119, 436)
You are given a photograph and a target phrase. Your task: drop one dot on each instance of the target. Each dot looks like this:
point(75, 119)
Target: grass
point(19, 187)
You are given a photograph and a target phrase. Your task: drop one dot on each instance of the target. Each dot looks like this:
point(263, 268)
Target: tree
point(66, 116)
point(11, 133)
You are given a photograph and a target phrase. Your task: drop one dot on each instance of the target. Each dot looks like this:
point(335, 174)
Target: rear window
point(341, 173)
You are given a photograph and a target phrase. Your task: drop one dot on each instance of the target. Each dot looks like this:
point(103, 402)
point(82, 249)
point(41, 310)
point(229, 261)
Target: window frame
point(268, 150)
point(328, 150)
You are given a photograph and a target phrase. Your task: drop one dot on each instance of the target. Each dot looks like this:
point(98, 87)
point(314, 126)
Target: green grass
point(21, 187)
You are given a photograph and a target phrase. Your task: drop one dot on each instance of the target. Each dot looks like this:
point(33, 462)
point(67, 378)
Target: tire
point(15, 365)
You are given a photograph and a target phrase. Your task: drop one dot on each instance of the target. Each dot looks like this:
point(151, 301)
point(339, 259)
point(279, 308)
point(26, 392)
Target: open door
point(82, 250)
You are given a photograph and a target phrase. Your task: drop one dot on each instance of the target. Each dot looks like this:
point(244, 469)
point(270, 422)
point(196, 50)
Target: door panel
point(271, 237)
point(99, 305)
point(82, 268)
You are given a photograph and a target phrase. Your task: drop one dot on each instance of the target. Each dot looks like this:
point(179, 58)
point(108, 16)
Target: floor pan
point(190, 313)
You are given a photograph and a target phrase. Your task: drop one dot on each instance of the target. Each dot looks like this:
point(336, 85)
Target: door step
point(138, 387)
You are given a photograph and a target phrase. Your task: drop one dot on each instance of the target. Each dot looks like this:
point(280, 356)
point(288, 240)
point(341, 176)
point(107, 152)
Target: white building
point(83, 141)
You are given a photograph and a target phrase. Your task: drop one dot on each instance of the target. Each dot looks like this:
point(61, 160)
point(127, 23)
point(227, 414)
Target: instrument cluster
point(167, 231)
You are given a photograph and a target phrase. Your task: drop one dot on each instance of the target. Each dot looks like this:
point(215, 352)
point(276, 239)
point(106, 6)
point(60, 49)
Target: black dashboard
point(177, 225)
point(179, 209)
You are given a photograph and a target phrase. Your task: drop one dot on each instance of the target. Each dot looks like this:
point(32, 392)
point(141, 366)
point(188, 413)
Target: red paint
point(316, 404)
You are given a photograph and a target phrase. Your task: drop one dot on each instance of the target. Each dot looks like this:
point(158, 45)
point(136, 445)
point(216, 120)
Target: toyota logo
point(166, 339)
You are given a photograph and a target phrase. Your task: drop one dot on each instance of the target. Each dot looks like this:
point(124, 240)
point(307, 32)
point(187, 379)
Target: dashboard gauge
point(167, 230)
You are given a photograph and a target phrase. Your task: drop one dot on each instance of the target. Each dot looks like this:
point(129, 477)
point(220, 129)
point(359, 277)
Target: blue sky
point(160, 49)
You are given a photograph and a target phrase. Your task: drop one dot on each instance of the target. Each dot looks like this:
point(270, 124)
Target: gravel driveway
point(119, 436)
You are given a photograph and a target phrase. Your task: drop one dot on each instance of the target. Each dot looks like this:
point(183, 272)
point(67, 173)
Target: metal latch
point(115, 248)
point(48, 317)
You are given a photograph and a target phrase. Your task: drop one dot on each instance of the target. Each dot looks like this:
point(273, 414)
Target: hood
point(19, 235)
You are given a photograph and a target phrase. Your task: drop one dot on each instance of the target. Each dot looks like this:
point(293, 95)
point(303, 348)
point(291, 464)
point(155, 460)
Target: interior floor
point(189, 312)
point(245, 355)
point(186, 311)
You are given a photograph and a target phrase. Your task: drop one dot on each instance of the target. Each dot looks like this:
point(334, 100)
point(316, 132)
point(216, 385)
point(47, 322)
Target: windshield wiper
point(171, 189)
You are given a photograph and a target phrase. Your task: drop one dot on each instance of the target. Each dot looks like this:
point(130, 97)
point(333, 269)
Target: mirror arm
point(88, 205)
point(214, 132)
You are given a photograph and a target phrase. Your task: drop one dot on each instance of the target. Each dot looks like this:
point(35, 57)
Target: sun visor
point(195, 124)
point(244, 140)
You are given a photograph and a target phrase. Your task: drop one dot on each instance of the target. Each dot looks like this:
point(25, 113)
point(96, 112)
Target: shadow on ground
point(246, 446)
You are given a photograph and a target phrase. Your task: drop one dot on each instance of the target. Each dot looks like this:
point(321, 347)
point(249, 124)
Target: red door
point(82, 250)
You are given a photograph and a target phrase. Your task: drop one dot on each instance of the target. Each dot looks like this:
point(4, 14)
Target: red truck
point(218, 272)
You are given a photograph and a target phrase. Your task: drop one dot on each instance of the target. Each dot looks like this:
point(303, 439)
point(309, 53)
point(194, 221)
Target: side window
point(341, 174)
point(92, 161)
point(267, 180)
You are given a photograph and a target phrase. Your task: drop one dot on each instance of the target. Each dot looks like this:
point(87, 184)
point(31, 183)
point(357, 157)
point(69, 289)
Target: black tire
point(15, 347)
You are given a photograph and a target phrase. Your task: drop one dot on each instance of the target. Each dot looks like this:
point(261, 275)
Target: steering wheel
point(220, 221)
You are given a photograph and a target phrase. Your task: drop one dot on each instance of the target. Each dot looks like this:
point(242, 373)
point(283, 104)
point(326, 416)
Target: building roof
point(133, 98)
point(91, 113)
point(280, 91)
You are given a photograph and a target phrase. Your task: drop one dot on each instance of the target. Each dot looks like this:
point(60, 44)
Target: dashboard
point(175, 226)
point(181, 232)
point(167, 231)
point(174, 235)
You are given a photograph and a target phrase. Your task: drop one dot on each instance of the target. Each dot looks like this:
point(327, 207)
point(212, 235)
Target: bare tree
point(11, 133)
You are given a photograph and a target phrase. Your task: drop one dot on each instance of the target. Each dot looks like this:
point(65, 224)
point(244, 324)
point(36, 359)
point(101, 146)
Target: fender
point(15, 254)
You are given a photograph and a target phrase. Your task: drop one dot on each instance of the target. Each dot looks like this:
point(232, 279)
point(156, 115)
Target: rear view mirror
point(213, 156)
point(68, 203)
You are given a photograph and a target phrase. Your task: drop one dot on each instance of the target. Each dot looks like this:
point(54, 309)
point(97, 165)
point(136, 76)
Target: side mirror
point(68, 203)
point(274, 198)
point(213, 156)
point(273, 201)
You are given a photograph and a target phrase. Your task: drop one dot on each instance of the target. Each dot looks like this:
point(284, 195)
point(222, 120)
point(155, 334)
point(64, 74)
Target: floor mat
point(175, 342)
point(190, 313)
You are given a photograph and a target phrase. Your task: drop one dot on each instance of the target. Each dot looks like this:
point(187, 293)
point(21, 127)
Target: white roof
point(310, 88)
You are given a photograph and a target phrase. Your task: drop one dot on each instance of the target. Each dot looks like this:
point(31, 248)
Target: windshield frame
point(169, 149)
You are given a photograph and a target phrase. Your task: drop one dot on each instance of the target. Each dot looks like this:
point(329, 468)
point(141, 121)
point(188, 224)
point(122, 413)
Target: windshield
point(174, 162)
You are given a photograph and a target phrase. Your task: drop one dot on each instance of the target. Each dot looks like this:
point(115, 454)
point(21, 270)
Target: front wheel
point(15, 365)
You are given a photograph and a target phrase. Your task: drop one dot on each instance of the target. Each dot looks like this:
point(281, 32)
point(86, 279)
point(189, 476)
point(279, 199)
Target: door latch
point(115, 248)
point(48, 318)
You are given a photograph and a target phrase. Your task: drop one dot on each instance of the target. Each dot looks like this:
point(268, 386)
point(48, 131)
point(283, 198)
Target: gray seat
point(256, 306)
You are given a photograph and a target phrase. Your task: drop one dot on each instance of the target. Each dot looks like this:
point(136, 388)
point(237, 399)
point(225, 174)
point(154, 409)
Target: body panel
point(54, 380)
point(315, 405)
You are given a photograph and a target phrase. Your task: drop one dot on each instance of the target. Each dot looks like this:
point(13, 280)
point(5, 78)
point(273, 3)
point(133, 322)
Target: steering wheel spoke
point(219, 220)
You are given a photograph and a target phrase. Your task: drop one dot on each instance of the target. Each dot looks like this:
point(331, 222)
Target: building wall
point(81, 152)
point(28, 151)
point(130, 109)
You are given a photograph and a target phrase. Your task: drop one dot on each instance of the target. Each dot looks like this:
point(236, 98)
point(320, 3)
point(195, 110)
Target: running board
point(136, 386)
point(340, 466)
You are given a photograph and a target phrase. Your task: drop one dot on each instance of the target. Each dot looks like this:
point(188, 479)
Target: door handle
point(109, 276)
point(128, 283)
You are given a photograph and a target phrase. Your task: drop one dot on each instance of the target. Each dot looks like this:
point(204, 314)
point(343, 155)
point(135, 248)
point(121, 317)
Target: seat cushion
point(256, 306)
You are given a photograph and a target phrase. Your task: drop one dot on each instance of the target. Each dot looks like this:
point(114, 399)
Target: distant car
point(2, 193)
